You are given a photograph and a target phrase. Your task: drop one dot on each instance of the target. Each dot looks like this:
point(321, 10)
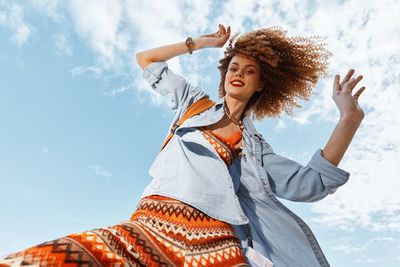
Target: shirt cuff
point(152, 73)
point(332, 175)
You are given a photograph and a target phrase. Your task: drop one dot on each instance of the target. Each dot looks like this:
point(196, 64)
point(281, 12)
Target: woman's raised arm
point(163, 53)
point(351, 115)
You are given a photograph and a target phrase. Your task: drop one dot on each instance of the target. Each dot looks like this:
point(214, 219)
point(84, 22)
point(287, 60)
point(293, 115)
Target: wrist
point(352, 118)
point(200, 43)
point(193, 44)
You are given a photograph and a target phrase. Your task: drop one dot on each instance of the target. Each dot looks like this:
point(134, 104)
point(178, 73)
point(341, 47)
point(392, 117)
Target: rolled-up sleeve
point(167, 83)
point(290, 180)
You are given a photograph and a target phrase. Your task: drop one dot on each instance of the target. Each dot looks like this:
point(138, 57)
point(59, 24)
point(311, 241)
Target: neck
point(235, 107)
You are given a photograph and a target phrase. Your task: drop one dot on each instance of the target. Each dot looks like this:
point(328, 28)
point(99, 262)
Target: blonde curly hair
point(290, 68)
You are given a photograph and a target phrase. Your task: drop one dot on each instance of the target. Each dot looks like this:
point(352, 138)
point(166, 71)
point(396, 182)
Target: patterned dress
point(161, 232)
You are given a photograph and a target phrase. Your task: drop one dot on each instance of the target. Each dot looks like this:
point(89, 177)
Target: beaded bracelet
point(190, 44)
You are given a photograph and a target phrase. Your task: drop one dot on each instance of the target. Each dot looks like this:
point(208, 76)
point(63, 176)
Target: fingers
point(222, 31)
point(354, 82)
point(347, 77)
point(358, 93)
point(217, 33)
point(350, 84)
point(227, 33)
point(347, 83)
point(336, 86)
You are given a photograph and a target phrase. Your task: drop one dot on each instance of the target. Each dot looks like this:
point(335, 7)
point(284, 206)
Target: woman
point(212, 200)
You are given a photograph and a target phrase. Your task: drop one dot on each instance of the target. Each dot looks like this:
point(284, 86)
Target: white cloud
point(119, 90)
point(370, 199)
point(12, 17)
point(100, 170)
point(388, 242)
point(163, 22)
point(115, 30)
point(357, 39)
point(84, 69)
point(100, 24)
point(361, 35)
point(367, 251)
point(50, 8)
point(62, 45)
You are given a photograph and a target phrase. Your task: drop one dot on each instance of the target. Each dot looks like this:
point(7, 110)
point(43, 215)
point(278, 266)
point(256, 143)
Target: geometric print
point(222, 145)
point(161, 232)
point(192, 237)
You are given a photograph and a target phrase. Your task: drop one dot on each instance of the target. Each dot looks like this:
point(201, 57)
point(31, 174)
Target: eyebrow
point(246, 64)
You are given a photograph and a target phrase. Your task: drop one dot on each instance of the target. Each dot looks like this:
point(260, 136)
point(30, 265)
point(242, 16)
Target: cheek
point(227, 79)
point(254, 81)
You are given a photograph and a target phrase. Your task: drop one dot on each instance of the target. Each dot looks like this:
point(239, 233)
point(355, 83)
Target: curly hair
point(290, 68)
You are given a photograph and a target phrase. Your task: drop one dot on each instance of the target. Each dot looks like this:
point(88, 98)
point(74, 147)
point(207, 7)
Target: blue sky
point(79, 127)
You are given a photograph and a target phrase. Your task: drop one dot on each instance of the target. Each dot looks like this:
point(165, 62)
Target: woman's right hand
point(217, 39)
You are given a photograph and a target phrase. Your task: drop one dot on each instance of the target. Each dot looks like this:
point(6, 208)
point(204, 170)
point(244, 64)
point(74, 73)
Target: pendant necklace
point(238, 124)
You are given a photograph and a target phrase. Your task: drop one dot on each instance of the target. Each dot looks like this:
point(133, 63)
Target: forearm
point(340, 139)
point(163, 53)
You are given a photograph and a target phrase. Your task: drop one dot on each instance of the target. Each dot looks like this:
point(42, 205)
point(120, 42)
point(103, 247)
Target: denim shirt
point(244, 193)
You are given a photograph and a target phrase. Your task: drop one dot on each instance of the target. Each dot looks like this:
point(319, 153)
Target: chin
point(235, 94)
point(234, 91)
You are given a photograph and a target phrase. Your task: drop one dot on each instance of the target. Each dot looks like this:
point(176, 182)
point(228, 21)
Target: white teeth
point(237, 83)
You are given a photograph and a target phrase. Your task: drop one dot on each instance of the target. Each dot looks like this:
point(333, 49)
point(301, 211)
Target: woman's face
point(247, 74)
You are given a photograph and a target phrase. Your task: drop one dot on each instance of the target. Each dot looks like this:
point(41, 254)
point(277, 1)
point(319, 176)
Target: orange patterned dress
point(224, 146)
point(161, 232)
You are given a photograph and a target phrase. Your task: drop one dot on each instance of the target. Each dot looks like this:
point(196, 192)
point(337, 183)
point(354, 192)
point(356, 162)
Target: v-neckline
point(232, 140)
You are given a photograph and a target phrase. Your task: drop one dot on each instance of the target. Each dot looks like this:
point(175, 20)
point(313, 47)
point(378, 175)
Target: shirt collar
point(219, 102)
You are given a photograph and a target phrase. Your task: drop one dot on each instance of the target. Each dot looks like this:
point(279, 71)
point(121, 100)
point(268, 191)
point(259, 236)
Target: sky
point(80, 127)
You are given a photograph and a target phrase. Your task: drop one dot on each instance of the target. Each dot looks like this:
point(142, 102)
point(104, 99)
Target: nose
point(238, 74)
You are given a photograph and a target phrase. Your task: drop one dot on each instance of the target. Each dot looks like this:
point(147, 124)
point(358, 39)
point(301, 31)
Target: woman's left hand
point(342, 95)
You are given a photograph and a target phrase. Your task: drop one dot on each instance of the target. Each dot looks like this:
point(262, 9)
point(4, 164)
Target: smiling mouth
point(237, 84)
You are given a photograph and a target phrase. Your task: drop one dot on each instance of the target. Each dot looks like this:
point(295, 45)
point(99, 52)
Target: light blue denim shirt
point(243, 194)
